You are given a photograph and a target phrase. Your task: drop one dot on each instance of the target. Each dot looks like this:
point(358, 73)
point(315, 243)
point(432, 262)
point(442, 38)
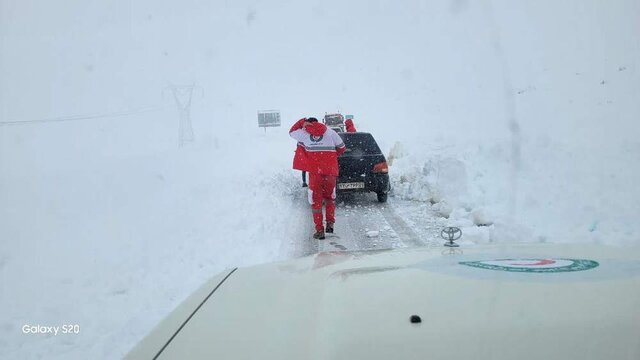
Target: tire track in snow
point(408, 236)
point(357, 217)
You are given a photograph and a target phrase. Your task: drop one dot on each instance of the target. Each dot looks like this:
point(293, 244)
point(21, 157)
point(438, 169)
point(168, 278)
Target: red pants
point(322, 187)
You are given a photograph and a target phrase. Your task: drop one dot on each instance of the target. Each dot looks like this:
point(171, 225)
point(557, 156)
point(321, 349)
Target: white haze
point(527, 110)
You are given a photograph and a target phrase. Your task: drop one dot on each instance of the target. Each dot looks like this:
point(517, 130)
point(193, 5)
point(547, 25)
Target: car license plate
point(355, 185)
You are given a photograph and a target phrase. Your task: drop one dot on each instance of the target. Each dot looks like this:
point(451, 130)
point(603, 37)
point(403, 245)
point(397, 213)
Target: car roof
point(357, 134)
point(361, 140)
point(358, 305)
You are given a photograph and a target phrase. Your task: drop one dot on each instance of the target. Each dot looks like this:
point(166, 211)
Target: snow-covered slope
point(112, 243)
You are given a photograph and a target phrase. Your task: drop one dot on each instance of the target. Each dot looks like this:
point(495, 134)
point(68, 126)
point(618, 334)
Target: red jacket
point(350, 126)
point(318, 148)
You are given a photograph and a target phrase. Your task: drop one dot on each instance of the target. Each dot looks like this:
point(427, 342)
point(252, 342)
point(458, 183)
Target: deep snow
point(519, 116)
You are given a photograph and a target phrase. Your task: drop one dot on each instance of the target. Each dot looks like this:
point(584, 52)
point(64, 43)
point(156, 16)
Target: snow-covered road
point(362, 223)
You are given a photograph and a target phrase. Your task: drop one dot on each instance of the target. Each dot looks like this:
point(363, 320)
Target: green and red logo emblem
point(315, 138)
point(551, 265)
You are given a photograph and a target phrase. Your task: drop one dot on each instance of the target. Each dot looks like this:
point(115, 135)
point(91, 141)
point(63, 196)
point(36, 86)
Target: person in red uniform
point(321, 147)
point(350, 126)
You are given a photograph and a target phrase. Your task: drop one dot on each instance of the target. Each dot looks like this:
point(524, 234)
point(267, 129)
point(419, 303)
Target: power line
point(84, 117)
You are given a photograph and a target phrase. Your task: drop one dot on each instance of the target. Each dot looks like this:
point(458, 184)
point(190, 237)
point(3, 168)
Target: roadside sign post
point(268, 118)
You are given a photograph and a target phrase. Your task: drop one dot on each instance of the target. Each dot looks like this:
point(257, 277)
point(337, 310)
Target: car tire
point(382, 197)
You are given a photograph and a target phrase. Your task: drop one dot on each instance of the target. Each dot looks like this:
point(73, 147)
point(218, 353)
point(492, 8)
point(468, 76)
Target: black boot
point(319, 235)
point(329, 228)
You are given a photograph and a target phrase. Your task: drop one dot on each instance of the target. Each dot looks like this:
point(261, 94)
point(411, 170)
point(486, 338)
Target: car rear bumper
point(378, 183)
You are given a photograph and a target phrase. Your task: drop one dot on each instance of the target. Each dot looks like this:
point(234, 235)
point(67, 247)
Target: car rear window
point(360, 143)
point(333, 120)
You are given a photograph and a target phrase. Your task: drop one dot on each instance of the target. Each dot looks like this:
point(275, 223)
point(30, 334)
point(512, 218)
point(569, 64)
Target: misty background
point(529, 111)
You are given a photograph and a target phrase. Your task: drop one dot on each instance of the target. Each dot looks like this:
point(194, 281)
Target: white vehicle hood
point(532, 301)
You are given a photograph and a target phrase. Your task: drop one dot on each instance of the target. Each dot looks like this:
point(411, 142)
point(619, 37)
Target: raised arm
point(297, 130)
point(298, 125)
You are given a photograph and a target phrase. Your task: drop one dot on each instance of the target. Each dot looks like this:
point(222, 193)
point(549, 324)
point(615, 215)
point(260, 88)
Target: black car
point(363, 167)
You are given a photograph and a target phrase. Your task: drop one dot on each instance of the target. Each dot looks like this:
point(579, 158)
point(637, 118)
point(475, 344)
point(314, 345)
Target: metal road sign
point(269, 118)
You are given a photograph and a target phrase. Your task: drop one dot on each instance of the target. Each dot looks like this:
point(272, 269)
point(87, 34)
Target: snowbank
point(561, 191)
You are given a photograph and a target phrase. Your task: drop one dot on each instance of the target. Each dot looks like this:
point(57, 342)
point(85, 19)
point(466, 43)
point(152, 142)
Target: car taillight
point(381, 167)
